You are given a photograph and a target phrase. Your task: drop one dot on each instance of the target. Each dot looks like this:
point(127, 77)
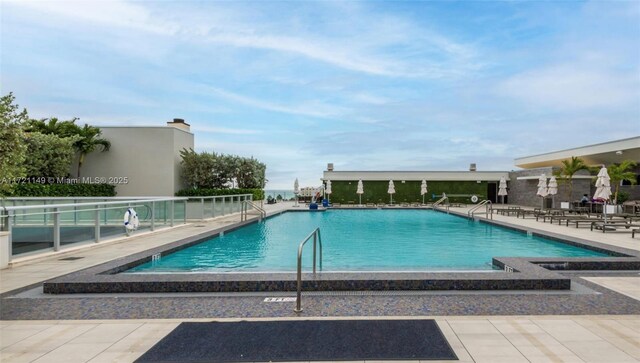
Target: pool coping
point(518, 273)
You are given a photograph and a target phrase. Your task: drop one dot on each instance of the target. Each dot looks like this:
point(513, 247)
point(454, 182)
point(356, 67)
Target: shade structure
point(553, 186)
point(502, 187)
point(391, 191)
point(296, 190)
point(360, 191)
point(542, 188)
point(327, 188)
point(603, 190)
point(552, 189)
point(603, 185)
point(423, 189)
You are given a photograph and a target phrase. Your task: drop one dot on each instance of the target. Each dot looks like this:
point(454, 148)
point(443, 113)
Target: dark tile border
point(518, 273)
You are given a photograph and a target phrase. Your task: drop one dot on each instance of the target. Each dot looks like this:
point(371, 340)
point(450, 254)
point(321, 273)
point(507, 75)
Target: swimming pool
point(363, 240)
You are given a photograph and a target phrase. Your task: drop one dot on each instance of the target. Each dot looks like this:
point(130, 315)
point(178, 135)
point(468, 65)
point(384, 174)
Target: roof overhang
point(606, 153)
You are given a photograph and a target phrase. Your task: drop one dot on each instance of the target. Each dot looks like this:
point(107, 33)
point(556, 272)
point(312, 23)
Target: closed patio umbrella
point(327, 189)
point(391, 191)
point(603, 189)
point(423, 189)
point(296, 190)
point(502, 188)
point(360, 191)
point(553, 189)
point(542, 188)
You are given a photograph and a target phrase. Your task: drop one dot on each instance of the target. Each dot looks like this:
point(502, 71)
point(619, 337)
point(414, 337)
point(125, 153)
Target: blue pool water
point(362, 240)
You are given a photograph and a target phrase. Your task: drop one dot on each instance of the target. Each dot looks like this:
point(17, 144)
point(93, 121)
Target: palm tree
point(569, 169)
point(53, 126)
point(89, 141)
point(620, 172)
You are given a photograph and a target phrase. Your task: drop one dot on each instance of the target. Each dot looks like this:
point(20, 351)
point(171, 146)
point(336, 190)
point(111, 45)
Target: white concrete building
point(142, 161)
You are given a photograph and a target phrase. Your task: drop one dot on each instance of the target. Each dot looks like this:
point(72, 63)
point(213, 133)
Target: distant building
point(462, 185)
point(147, 156)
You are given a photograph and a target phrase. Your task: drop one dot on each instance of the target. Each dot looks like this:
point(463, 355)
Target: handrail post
point(56, 229)
point(153, 215)
point(96, 230)
point(298, 308)
point(172, 209)
point(315, 241)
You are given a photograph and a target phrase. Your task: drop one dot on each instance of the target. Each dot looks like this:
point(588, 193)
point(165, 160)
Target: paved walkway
point(605, 338)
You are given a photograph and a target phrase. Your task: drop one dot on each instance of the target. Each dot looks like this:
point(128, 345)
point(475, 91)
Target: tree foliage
point(569, 168)
point(620, 172)
point(88, 141)
point(218, 171)
point(49, 155)
point(12, 148)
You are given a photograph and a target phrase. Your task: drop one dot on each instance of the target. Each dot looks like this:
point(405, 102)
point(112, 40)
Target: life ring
point(131, 222)
point(474, 198)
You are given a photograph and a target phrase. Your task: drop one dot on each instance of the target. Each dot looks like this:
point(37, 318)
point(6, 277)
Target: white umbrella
point(542, 188)
point(360, 191)
point(296, 190)
point(391, 191)
point(423, 189)
point(502, 188)
point(327, 189)
point(553, 188)
point(603, 189)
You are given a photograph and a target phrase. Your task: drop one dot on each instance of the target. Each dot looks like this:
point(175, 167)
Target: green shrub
point(63, 190)
point(49, 155)
point(258, 194)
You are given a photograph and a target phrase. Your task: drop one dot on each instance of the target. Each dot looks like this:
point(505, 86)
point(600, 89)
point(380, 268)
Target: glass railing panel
point(71, 231)
point(30, 237)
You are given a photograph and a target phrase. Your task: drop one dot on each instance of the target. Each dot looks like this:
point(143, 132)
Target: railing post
point(315, 241)
point(10, 230)
point(172, 209)
point(298, 308)
point(56, 229)
point(202, 205)
point(96, 230)
point(153, 216)
point(184, 215)
point(213, 206)
point(224, 202)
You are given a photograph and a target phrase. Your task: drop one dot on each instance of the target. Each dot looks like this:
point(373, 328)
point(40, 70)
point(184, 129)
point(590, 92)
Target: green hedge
point(409, 191)
point(258, 194)
point(63, 190)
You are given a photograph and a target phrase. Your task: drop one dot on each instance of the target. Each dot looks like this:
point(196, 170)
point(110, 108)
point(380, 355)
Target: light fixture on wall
point(619, 152)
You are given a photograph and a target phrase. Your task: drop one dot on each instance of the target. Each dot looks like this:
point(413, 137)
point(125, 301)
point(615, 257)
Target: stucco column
point(5, 250)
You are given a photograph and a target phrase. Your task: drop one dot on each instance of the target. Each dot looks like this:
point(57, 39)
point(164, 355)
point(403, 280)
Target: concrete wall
point(148, 157)
point(523, 191)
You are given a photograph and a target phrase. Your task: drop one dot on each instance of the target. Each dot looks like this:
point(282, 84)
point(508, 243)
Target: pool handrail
point(245, 210)
point(317, 238)
point(488, 209)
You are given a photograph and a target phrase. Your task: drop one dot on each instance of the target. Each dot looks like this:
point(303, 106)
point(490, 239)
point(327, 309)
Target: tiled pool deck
point(598, 320)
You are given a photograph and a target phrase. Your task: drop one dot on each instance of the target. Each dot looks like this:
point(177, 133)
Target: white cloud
point(572, 86)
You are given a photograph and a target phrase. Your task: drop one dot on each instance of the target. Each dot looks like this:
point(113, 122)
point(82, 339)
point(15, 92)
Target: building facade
point(142, 160)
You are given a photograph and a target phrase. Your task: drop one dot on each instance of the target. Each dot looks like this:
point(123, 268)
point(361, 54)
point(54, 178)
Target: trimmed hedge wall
point(63, 190)
point(258, 194)
point(409, 191)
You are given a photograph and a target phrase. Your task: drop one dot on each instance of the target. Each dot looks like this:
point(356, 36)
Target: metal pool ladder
point(317, 239)
point(245, 210)
point(440, 201)
point(488, 209)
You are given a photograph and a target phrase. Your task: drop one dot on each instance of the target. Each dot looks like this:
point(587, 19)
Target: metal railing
point(317, 239)
point(34, 229)
point(201, 208)
point(244, 212)
point(440, 201)
point(488, 209)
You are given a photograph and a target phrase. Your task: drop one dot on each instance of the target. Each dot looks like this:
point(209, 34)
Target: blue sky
point(365, 85)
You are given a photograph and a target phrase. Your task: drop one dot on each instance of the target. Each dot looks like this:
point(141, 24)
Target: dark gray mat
point(302, 340)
